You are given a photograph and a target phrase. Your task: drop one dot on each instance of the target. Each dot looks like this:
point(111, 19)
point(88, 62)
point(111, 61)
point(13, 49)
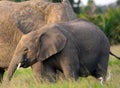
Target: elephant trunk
point(13, 66)
point(70, 13)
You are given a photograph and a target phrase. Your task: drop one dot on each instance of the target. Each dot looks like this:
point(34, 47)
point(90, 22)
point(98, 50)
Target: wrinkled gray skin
point(20, 18)
point(76, 48)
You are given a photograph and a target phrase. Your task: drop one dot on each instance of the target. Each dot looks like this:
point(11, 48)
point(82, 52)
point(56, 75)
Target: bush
point(108, 22)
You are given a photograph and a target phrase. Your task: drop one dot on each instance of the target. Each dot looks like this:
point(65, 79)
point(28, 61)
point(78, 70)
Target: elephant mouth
point(26, 63)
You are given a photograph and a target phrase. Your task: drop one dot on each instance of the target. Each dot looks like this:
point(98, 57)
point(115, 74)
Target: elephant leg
point(49, 74)
point(70, 73)
point(60, 75)
point(1, 74)
point(37, 71)
point(101, 70)
point(70, 68)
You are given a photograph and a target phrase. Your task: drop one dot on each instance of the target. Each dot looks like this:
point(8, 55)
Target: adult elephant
point(76, 48)
point(20, 18)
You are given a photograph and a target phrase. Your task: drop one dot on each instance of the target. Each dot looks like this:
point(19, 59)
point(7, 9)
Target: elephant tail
point(114, 55)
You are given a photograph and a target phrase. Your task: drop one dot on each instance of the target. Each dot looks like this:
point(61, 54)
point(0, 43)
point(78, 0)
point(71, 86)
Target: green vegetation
point(108, 22)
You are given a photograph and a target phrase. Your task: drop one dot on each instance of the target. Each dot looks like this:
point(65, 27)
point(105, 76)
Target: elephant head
point(37, 46)
point(33, 15)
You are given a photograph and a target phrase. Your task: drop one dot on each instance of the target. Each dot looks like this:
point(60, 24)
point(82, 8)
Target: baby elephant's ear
point(51, 42)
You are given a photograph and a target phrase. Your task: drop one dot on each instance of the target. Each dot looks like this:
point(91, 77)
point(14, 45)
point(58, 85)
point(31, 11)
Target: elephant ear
point(27, 18)
point(51, 42)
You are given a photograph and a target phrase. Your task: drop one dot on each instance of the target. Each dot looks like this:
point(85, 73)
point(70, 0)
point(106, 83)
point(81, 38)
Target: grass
point(23, 78)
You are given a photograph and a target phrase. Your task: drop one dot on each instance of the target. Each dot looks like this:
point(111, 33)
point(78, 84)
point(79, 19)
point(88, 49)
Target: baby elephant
point(76, 48)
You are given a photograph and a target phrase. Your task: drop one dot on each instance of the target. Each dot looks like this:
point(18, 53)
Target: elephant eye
point(26, 49)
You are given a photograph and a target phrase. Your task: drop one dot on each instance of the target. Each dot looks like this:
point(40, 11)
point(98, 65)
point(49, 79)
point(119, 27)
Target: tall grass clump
point(109, 23)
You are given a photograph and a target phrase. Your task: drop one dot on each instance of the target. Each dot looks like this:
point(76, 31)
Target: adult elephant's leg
point(37, 71)
point(1, 74)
